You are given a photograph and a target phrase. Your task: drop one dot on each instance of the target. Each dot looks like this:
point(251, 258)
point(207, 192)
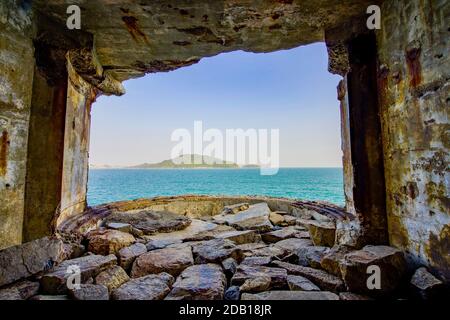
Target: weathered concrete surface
point(132, 39)
point(16, 79)
point(414, 88)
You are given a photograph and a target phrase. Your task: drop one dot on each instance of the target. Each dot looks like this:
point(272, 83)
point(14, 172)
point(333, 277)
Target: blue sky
point(289, 90)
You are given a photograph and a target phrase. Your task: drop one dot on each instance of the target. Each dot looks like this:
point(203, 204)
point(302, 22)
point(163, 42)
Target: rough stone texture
point(235, 208)
point(193, 230)
point(293, 244)
point(112, 278)
point(278, 235)
point(391, 262)
point(332, 259)
point(322, 279)
point(170, 260)
point(276, 219)
point(311, 256)
point(126, 256)
point(55, 282)
point(299, 283)
point(199, 282)
point(349, 296)
point(229, 266)
point(245, 272)
point(90, 292)
point(256, 261)
point(232, 294)
point(215, 251)
point(256, 284)
point(425, 284)
point(256, 217)
point(415, 120)
point(240, 237)
point(22, 261)
point(151, 222)
point(22, 290)
point(291, 295)
point(16, 68)
point(106, 242)
point(151, 287)
point(322, 233)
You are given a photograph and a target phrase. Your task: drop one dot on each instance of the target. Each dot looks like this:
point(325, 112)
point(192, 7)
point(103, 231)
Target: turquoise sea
point(107, 185)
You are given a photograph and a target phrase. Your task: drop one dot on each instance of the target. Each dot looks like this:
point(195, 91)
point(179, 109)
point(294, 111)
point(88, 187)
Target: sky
point(289, 90)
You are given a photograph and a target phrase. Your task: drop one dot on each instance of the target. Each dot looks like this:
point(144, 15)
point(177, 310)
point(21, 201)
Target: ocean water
point(107, 185)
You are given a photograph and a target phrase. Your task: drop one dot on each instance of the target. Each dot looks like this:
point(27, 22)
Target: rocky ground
point(246, 252)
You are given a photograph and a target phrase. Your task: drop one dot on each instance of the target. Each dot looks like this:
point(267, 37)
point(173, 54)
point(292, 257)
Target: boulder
point(90, 292)
point(112, 278)
point(108, 241)
point(25, 260)
point(276, 219)
point(292, 245)
point(150, 222)
point(332, 259)
point(240, 237)
point(291, 295)
point(277, 275)
point(124, 227)
point(55, 282)
point(232, 293)
point(289, 221)
point(311, 256)
point(425, 285)
point(256, 217)
point(273, 252)
point(256, 284)
point(299, 283)
point(160, 244)
point(278, 235)
point(151, 287)
point(257, 261)
point(129, 254)
point(215, 251)
point(170, 260)
point(390, 261)
point(322, 233)
point(21, 290)
point(199, 282)
point(322, 279)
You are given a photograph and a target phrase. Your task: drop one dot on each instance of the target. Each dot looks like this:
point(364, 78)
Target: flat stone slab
point(22, 290)
point(291, 295)
point(299, 283)
point(240, 237)
point(215, 251)
point(293, 244)
point(311, 256)
point(282, 234)
point(257, 261)
point(322, 279)
point(256, 217)
point(199, 282)
point(55, 282)
point(150, 222)
point(151, 287)
point(170, 260)
point(25, 260)
point(278, 276)
point(196, 227)
point(90, 292)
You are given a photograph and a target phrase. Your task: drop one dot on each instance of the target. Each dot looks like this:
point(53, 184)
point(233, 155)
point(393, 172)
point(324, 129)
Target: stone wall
point(414, 85)
point(16, 79)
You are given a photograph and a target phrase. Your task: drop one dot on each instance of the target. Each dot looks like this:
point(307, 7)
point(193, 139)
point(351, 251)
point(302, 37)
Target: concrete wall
point(80, 96)
point(16, 80)
point(414, 75)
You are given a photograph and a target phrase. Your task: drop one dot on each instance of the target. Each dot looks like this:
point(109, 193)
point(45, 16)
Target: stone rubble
point(226, 257)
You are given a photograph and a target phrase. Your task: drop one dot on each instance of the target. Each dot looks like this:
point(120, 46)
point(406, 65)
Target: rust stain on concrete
point(131, 23)
point(4, 146)
point(414, 67)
